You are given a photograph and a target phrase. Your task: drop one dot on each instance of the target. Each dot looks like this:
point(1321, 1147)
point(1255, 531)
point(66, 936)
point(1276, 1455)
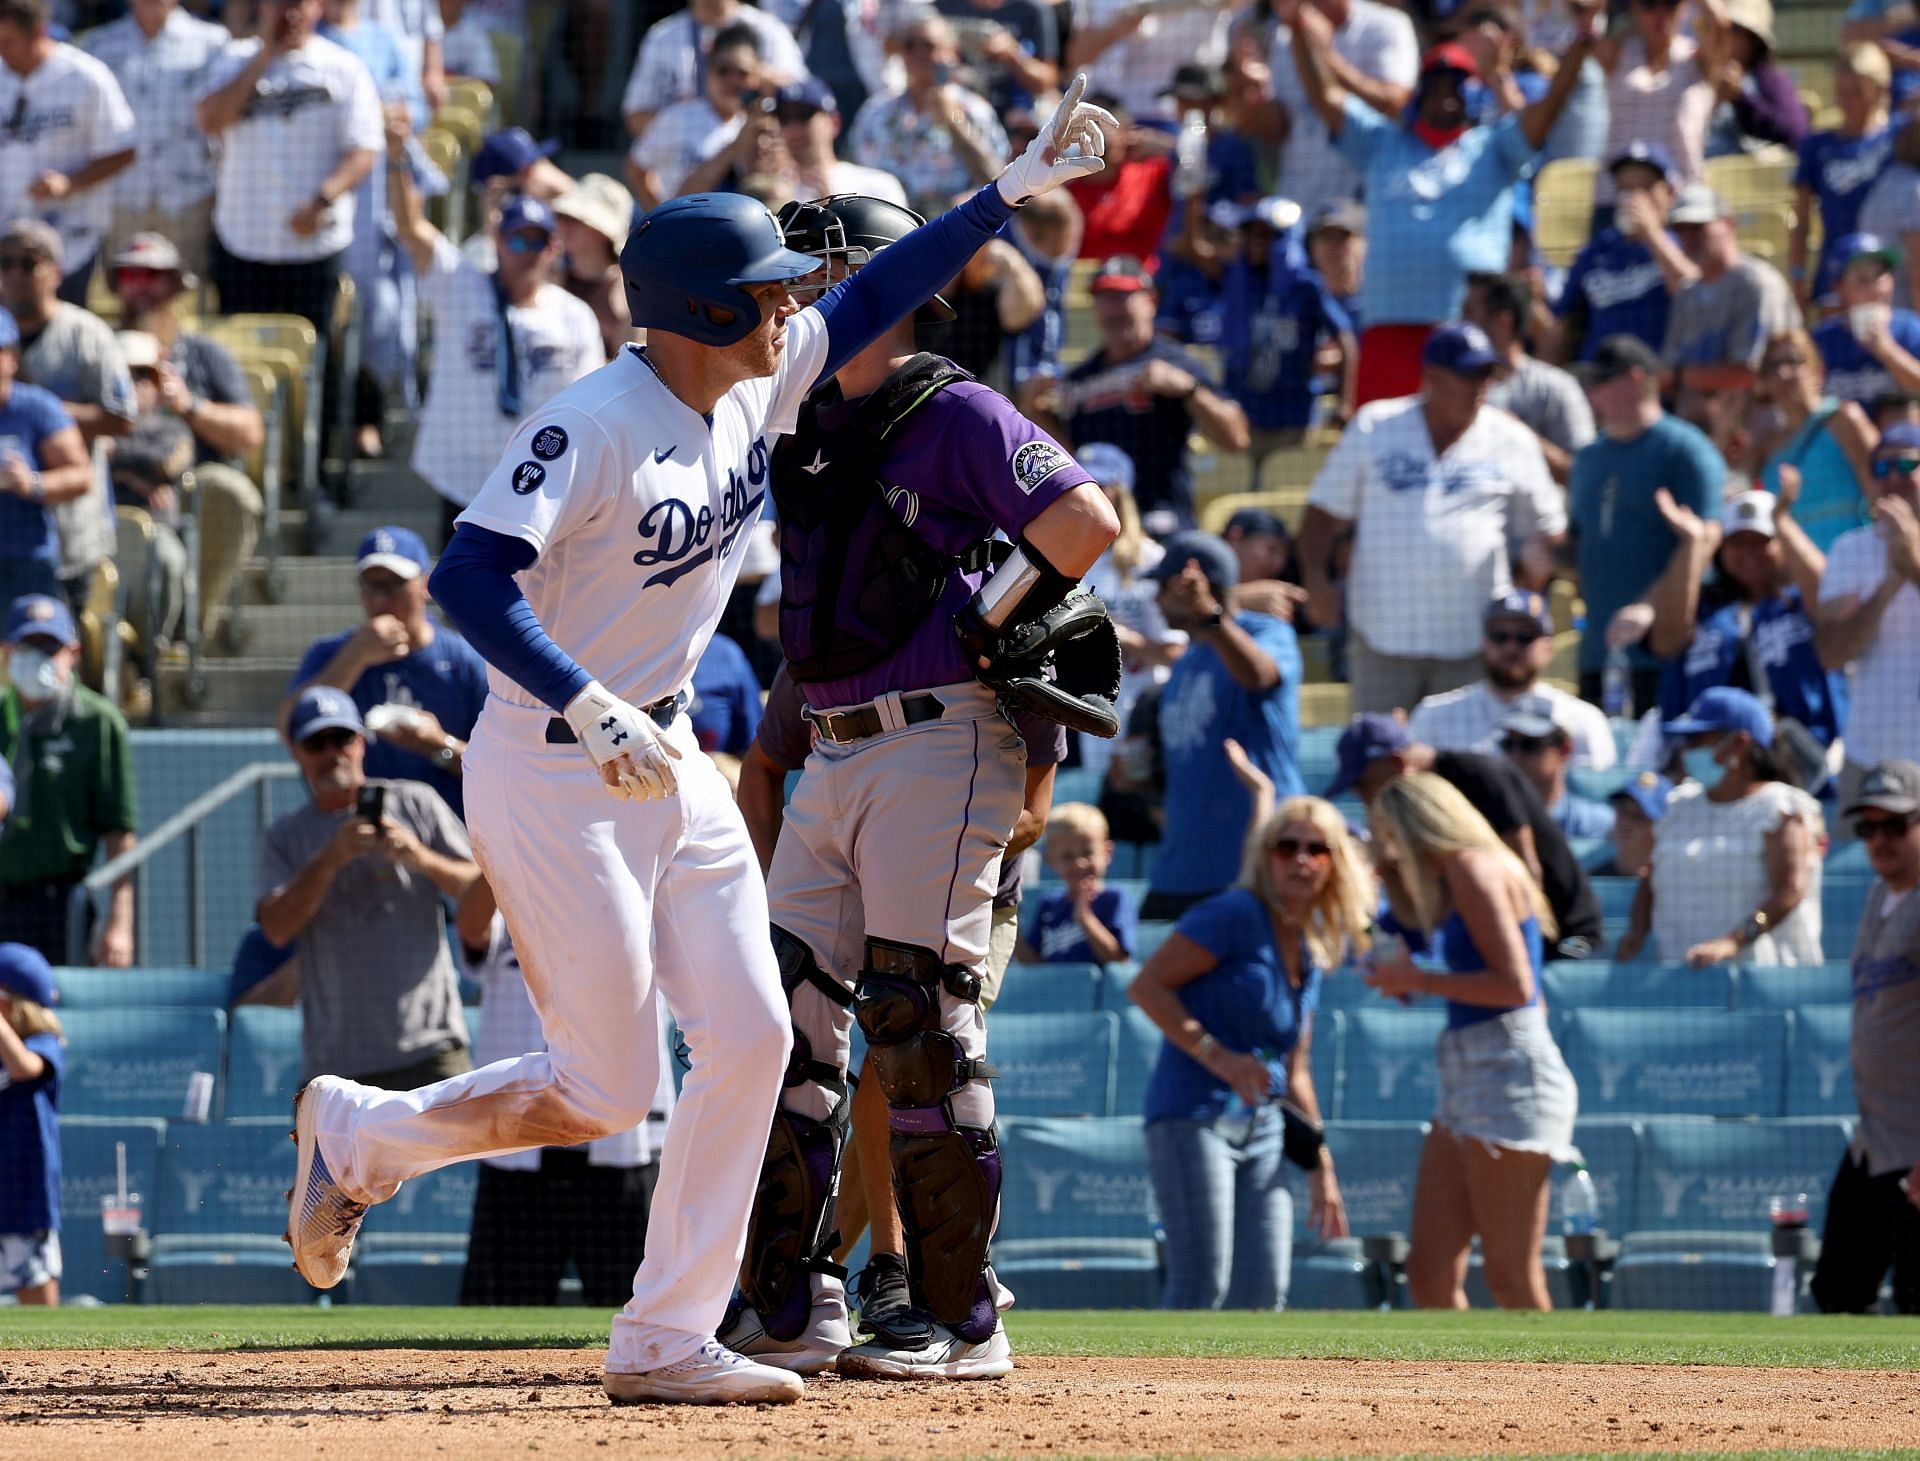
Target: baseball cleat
point(322, 1221)
point(946, 1356)
point(812, 1351)
point(713, 1375)
point(886, 1304)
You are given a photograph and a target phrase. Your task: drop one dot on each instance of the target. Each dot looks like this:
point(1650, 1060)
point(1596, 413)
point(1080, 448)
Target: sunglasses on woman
point(1291, 847)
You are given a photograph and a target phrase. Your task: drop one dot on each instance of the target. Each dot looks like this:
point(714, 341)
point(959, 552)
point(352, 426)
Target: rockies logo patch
point(1036, 461)
point(527, 478)
point(549, 442)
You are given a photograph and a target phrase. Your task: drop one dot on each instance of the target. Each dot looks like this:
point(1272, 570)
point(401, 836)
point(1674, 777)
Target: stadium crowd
point(1544, 374)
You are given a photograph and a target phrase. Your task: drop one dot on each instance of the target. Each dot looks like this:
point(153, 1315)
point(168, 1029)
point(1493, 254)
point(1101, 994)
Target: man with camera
point(357, 876)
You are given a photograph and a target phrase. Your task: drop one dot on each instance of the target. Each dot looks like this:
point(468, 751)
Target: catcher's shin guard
point(790, 1233)
point(946, 1176)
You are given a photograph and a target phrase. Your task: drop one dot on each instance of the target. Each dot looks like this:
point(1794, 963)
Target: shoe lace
point(347, 1215)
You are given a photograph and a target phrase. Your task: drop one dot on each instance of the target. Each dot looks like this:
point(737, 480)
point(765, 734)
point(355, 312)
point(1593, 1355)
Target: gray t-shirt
point(1730, 319)
point(1886, 1032)
point(377, 987)
point(1549, 403)
point(78, 358)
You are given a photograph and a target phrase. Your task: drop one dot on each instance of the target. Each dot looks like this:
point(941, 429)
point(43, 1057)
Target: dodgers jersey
point(639, 509)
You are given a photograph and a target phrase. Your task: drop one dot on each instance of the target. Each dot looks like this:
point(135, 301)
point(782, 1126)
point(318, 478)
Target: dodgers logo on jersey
point(678, 534)
point(527, 478)
point(549, 442)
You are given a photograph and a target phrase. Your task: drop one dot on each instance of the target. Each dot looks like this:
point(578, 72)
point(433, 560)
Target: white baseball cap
point(1748, 512)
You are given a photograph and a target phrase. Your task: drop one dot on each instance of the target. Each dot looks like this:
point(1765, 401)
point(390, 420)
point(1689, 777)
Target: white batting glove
point(635, 760)
point(1071, 145)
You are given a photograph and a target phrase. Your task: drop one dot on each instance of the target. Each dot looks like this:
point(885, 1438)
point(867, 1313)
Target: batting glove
point(1070, 146)
point(635, 760)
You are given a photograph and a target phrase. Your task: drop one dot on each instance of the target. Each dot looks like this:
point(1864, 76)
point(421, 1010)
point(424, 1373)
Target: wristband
point(1203, 1047)
point(36, 486)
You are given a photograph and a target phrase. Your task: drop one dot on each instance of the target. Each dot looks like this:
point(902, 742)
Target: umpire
point(881, 889)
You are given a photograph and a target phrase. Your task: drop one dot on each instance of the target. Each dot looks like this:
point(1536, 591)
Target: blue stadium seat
point(1719, 1272)
point(263, 1061)
point(1842, 901)
point(135, 1061)
point(1053, 1065)
point(219, 1217)
point(1616, 903)
point(97, 989)
point(1820, 1065)
point(1678, 1062)
point(1148, 937)
point(1786, 986)
point(1611, 1149)
point(1076, 1225)
point(89, 1150)
point(1110, 983)
point(1076, 784)
point(1345, 988)
point(1849, 859)
point(1133, 859)
point(1316, 754)
point(1387, 1063)
point(413, 1249)
point(1048, 989)
point(1134, 1057)
point(1597, 984)
point(1377, 1163)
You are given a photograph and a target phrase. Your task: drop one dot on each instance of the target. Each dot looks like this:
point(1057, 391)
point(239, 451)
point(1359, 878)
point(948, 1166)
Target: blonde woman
point(1234, 989)
point(1506, 1102)
point(32, 1058)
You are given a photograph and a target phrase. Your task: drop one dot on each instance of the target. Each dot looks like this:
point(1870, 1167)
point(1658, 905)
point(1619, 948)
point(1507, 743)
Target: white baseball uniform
point(639, 509)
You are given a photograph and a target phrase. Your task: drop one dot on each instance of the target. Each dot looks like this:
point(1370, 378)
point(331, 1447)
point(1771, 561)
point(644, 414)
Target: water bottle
point(1789, 1217)
point(1579, 1203)
point(1616, 685)
point(1190, 155)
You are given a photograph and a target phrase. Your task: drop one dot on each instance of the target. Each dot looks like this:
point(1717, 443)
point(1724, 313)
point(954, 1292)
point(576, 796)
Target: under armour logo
point(815, 467)
point(618, 737)
point(609, 723)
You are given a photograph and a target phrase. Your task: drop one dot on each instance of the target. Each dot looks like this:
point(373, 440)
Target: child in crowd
point(32, 1057)
point(1085, 921)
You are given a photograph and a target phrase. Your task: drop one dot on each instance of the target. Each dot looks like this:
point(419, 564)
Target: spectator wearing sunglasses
point(1873, 1206)
point(1736, 858)
point(667, 69)
point(1868, 621)
point(1541, 750)
point(1516, 646)
point(703, 142)
point(809, 119)
point(1234, 989)
point(358, 876)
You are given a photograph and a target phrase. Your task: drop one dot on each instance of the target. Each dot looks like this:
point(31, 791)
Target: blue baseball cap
point(1461, 348)
point(1361, 744)
point(523, 211)
point(1521, 603)
point(508, 152)
point(1215, 558)
point(810, 91)
point(9, 331)
point(1647, 154)
point(1855, 246)
point(1724, 708)
point(24, 971)
point(1649, 792)
point(39, 616)
point(1254, 522)
point(1106, 463)
point(322, 708)
point(401, 551)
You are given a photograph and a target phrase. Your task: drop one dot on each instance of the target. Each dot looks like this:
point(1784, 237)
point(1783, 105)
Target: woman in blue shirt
point(1233, 989)
point(1506, 1102)
point(31, 1060)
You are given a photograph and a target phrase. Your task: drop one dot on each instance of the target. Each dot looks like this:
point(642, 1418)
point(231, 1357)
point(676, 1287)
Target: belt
point(39, 890)
point(856, 724)
point(661, 713)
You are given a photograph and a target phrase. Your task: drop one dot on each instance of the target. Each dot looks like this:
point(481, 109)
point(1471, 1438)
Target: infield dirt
point(396, 1403)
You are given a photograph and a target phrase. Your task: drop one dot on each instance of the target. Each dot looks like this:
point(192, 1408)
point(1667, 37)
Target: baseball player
point(881, 890)
point(590, 572)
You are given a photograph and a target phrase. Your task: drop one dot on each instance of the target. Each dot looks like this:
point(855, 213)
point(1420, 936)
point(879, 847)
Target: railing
point(184, 823)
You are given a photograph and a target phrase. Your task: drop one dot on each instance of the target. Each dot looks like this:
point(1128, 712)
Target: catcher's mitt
point(1064, 665)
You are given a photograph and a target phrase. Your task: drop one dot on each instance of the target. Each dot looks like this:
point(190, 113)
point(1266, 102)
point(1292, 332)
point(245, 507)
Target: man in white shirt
point(1376, 57)
point(933, 134)
point(1442, 492)
point(299, 124)
point(1129, 48)
point(478, 395)
point(809, 121)
point(1869, 617)
point(668, 67)
point(690, 146)
point(65, 131)
point(160, 55)
point(1515, 646)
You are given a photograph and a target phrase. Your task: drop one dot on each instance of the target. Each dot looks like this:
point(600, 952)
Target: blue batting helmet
point(690, 263)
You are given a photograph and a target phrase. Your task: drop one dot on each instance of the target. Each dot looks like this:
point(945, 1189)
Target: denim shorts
point(1502, 1082)
point(28, 1260)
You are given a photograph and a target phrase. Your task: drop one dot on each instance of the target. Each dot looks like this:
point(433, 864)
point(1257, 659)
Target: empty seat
point(1148, 937)
point(1785, 986)
point(1610, 1147)
point(1820, 1066)
point(1076, 784)
point(1616, 902)
point(219, 1217)
point(1076, 1225)
point(1596, 984)
point(413, 1248)
point(1387, 1070)
point(1377, 1163)
point(263, 1061)
point(136, 1061)
point(1053, 1065)
point(1842, 901)
point(1110, 984)
point(1678, 1062)
point(1047, 989)
point(95, 989)
point(1138, 1048)
point(1694, 1270)
point(91, 1148)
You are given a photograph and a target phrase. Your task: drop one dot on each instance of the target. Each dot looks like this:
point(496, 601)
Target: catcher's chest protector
point(855, 580)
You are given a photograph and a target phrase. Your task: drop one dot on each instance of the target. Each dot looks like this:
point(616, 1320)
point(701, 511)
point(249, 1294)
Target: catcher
point(906, 640)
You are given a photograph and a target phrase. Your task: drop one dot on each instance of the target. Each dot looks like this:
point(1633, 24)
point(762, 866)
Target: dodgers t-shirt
point(1615, 288)
point(28, 417)
point(30, 1143)
point(1853, 373)
point(726, 699)
point(1058, 938)
point(1779, 638)
point(1840, 170)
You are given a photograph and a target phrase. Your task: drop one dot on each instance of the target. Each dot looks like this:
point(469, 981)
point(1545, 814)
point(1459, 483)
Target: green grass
point(1619, 1337)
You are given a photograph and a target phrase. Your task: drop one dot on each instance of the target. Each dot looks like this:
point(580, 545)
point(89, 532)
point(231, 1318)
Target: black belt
point(40, 890)
point(661, 713)
point(842, 726)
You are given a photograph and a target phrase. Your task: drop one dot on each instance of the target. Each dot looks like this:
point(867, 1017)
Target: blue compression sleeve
point(474, 587)
point(903, 276)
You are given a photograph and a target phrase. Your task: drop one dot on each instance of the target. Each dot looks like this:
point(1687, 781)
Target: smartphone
point(371, 804)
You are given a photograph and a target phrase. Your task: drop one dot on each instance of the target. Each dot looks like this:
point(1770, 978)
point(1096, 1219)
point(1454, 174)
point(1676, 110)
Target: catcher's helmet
point(853, 228)
point(689, 262)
